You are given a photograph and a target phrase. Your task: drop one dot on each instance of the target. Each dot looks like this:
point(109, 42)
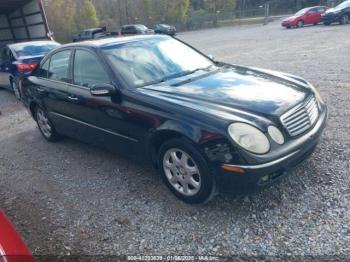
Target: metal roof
point(8, 6)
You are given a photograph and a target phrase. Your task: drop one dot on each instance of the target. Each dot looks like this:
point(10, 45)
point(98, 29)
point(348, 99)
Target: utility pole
point(267, 12)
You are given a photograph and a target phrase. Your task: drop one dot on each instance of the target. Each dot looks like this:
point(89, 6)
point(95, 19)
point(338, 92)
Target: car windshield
point(342, 5)
point(155, 60)
point(141, 27)
point(302, 12)
point(34, 49)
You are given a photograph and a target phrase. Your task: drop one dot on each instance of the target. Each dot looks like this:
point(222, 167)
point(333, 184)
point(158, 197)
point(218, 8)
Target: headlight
point(276, 135)
point(249, 137)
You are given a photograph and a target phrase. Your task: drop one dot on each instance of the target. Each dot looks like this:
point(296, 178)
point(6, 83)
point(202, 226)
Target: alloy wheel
point(44, 123)
point(345, 19)
point(182, 172)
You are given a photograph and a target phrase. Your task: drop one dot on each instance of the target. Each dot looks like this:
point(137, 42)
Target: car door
point(50, 86)
point(6, 59)
point(97, 119)
point(312, 16)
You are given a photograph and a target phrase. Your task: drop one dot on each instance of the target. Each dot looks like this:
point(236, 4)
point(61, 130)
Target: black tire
point(288, 27)
point(300, 24)
point(344, 19)
point(52, 135)
point(327, 23)
point(206, 190)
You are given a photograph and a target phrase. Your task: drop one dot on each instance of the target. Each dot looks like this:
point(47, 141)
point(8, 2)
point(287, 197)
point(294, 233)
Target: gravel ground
point(71, 198)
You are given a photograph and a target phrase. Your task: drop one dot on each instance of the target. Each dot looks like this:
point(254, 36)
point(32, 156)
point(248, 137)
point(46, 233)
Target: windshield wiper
point(177, 75)
point(185, 73)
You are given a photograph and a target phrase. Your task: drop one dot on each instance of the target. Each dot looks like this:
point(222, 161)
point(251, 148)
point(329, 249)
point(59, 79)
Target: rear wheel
point(15, 89)
point(185, 172)
point(300, 23)
point(344, 19)
point(45, 126)
point(326, 23)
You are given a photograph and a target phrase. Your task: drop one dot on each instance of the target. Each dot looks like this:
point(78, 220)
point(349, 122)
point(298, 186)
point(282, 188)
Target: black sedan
point(207, 126)
point(165, 29)
point(135, 30)
point(339, 14)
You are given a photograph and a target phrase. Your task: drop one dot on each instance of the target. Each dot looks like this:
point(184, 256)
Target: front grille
point(301, 118)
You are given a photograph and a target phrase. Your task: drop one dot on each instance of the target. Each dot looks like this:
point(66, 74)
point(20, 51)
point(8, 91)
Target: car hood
point(290, 18)
point(261, 92)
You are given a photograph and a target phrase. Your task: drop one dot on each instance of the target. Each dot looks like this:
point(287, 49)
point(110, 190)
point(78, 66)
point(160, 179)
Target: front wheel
point(344, 19)
point(185, 172)
point(45, 126)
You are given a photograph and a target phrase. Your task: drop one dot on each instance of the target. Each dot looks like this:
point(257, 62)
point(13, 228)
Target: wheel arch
point(170, 130)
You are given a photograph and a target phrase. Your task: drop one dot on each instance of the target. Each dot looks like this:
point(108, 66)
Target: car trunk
point(22, 20)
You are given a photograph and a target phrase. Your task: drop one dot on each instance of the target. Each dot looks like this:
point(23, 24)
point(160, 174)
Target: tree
point(87, 16)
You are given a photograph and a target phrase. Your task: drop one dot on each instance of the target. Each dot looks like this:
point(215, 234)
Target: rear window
point(36, 49)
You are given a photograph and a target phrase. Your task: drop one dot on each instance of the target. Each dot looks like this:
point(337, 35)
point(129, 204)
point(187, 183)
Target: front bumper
point(288, 23)
point(330, 18)
point(262, 175)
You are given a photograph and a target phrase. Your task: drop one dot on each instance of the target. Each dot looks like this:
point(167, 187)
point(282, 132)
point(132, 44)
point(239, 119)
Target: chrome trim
point(96, 127)
point(266, 165)
point(302, 117)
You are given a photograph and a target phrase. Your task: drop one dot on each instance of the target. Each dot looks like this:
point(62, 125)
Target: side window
point(88, 71)
point(43, 70)
point(59, 66)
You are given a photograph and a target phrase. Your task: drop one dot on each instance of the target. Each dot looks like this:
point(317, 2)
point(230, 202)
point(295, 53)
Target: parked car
point(136, 30)
point(12, 247)
point(306, 16)
point(339, 14)
point(90, 34)
point(207, 126)
point(19, 60)
point(165, 29)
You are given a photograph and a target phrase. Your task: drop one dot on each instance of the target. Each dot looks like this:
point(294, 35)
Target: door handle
point(73, 98)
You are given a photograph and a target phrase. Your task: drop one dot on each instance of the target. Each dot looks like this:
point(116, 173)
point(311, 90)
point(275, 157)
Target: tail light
point(26, 67)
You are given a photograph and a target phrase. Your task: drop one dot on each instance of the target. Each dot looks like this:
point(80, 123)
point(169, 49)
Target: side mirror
point(103, 90)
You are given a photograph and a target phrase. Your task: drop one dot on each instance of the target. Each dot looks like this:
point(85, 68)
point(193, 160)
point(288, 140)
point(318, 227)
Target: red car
point(12, 247)
point(306, 16)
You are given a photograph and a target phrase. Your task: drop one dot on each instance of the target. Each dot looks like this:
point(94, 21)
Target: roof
point(31, 42)
point(117, 40)
point(92, 29)
point(8, 6)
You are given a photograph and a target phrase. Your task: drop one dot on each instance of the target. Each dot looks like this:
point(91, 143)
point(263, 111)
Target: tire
point(288, 27)
point(185, 171)
point(344, 19)
point(327, 23)
point(300, 24)
point(45, 126)
point(15, 89)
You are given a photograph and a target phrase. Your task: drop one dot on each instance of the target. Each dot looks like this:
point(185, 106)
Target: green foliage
point(87, 16)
